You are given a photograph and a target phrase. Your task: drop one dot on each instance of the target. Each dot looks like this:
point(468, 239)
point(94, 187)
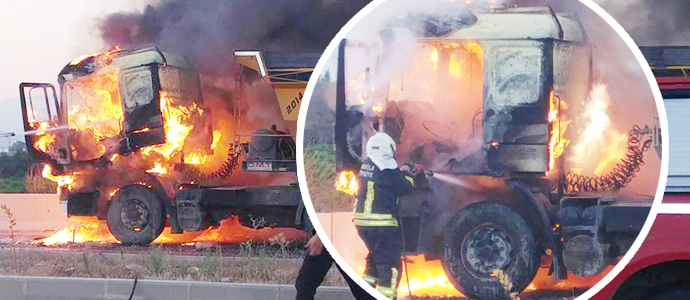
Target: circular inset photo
point(482, 149)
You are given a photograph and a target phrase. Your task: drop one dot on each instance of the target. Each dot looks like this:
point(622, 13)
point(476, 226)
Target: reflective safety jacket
point(377, 199)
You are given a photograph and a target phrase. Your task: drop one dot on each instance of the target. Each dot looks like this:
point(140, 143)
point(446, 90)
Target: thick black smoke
point(208, 31)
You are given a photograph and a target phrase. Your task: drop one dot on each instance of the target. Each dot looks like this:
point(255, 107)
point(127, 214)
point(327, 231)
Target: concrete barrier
point(36, 214)
point(60, 288)
point(39, 214)
point(343, 234)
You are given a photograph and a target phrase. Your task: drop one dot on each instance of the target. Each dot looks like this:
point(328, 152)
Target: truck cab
point(130, 134)
point(482, 101)
point(110, 103)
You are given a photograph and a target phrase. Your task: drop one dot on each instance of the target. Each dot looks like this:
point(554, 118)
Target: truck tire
point(485, 236)
point(136, 215)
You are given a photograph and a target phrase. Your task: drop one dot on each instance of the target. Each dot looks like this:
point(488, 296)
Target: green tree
point(321, 117)
point(14, 163)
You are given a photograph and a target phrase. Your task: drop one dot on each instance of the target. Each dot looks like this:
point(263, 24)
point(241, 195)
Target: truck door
point(44, 123)
point(139, 91)
point(359, 108)
point(516, 105)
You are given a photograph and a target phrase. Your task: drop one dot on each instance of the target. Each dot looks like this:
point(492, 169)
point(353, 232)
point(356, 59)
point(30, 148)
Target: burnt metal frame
point(29, 139)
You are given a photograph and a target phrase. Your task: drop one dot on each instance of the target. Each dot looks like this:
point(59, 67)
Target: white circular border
point(304, 189)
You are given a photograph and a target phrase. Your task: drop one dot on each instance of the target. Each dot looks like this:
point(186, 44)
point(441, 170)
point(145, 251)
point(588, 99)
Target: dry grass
point(275, 262)
point(252, 266)
point(35, 183)
point(319, 167)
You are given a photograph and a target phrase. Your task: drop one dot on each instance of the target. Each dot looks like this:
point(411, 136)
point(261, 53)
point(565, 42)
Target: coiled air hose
point(226, 170)
point(621, 175)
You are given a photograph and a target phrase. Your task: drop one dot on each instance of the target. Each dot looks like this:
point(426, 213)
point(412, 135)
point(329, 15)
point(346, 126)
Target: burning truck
point(501, 193)
point(132, 140)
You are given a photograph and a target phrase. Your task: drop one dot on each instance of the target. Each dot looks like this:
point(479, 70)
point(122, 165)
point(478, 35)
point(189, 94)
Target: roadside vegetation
point(13, 166)
point(274, 262)
point(319, 167)
point(18, 175)
point(255, 264)
point(12, 185)
point(319, 153)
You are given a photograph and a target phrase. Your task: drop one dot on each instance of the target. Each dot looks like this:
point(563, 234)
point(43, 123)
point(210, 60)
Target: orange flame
point(347, 183)
point(196, 158)
point(433, 55)
point(178, 122)
point(378, 108)
point(407, 86)
point(61, 180)
point(46, 139)
point(475, 48)
point(157, 169)
point(230, 231)
point(88, 231)
point(358, 86)
point(44, 142)
point(599, 146)
point(95, 111)
point(457, 66)
point(559, 124)
point(79, 59)
point(428, 279)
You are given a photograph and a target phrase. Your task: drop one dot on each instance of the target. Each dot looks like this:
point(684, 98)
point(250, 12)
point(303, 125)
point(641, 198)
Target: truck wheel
point(483, 237)
point(136, 216)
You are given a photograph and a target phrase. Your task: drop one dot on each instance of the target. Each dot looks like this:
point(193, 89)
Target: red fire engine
point(661, 267)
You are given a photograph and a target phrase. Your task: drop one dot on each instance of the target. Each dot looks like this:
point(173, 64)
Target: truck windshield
point(94, 113)
point(430, 72)
point(441, 73)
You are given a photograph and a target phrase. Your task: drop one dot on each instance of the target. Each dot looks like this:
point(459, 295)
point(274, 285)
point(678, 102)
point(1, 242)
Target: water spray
point(41, 131)
point(447, 178)
point(7, 134)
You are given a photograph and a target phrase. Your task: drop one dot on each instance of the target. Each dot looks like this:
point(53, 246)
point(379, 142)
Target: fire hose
point(415, 169)
point(404, 259)
point(622, 173)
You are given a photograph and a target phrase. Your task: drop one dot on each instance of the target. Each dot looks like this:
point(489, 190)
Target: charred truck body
point(128, 139)
point(512, 200)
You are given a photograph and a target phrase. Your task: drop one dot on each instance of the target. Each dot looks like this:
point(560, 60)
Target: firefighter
point(376, 212)
point(315, 266)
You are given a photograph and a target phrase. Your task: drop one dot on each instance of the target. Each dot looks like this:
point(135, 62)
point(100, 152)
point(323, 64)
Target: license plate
point(259, 166)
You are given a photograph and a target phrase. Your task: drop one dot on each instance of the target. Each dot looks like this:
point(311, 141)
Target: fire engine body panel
point(529, 59)
point(148, 82)
point(659, 268)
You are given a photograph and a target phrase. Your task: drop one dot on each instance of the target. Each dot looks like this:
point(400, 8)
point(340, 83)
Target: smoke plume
point(652, 22)
point(208, 32)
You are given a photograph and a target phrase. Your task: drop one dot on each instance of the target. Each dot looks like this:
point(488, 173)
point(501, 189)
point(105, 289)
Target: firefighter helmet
point(381, 143)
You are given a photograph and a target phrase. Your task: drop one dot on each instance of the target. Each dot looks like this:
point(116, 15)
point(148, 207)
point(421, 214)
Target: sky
point(40, 37)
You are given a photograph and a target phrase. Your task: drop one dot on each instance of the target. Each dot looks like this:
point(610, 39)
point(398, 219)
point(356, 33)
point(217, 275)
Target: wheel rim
point(486, 248)
point(134, 215)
